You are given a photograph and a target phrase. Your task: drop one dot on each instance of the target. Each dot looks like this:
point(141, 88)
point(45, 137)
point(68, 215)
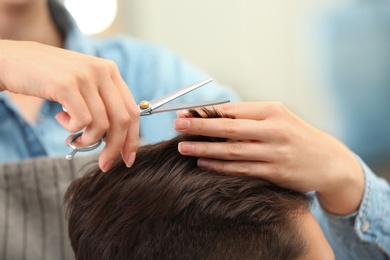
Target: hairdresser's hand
point(90, 88)
point(271, 143)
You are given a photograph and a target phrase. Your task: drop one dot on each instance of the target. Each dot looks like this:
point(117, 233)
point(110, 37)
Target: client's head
point(165, 207)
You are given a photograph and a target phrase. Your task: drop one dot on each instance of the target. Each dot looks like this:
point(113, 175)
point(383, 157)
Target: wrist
point(344, 194)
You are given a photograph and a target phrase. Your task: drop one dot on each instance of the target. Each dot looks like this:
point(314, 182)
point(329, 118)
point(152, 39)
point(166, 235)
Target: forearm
point(344, 193)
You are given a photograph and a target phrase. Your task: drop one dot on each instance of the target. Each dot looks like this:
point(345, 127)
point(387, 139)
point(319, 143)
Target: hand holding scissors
point(92, 89)
point(150, 107)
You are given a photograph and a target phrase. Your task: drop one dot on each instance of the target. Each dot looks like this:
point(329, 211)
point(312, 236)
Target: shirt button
point(365, 226)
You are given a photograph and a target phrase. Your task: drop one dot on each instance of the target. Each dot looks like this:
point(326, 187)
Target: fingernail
point(204, 163)
point(186, 148)
point(182, 124)
point(130, 160)
point(182, 113)
point(107, 166)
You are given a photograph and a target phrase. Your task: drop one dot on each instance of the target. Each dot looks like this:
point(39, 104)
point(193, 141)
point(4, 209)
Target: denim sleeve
point(364, 234)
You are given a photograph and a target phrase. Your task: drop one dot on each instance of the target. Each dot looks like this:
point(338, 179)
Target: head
point(165, 207)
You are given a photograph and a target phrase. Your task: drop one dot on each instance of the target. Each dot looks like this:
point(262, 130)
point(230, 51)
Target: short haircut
point(166, 207)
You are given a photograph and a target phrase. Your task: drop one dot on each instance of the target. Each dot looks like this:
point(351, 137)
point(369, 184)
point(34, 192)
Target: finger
point(273, 173)
point(119, 122)
point(67, 141)
point(255, 169)
point(230, 151)
point(183, 114)
point(100, 123)
point(132, 137)
point(244, 110)
point(237, 129)
point(131, 142)
point(77, 116)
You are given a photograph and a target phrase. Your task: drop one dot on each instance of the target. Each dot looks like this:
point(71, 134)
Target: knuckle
point(97, 68)
point(64, 88)
point(203, 149)
point(277, 107)
point(111, 65)
point(74, 128)
point(284, 153)
point(283, 176)
point(132, 143)
point(235, 149)
point(280, 174)
point(124, 120)
point(199, 125)
point(218, 167)
point(113, 146)
point(79, 78)
point(242, 169)
point(66, 85)
point(103, 124)
point(106, 67)
point(134, 112)
point(113, 149)
point(279, 131)
point(83, 121)
point(231, 126)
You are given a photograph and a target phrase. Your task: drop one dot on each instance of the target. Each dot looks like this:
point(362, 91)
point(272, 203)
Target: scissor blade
point(173, 107)
point(158, 102)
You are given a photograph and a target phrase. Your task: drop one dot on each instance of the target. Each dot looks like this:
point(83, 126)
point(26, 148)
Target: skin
point(318, 246)
point(271, 143)
point(35, 67)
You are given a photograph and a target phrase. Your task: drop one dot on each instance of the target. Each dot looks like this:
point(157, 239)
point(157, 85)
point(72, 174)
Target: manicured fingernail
point(182, 124)
point(186, 148)
point(204, 163)
point(107, 166)
point(130, 160)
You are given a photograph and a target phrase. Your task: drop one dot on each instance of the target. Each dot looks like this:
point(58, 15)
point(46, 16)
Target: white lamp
point(92, 16)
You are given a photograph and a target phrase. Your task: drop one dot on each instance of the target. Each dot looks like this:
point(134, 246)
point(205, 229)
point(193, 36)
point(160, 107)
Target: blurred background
point(327, 60)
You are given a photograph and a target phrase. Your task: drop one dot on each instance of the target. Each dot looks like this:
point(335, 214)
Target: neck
point(28, 22)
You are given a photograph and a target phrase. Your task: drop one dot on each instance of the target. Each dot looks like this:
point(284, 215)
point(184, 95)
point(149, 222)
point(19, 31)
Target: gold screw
point(144, 104)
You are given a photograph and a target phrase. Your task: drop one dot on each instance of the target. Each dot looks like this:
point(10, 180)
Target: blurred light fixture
point(92, 16)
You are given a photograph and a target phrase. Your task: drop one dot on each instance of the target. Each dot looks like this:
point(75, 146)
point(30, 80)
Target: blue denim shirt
point(149, 70)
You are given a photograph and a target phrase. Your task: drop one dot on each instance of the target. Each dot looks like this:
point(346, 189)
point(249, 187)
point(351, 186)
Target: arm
point(269, 142)
point(91, 89)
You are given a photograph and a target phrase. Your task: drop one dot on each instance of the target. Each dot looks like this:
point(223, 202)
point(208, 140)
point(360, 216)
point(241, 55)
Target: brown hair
point(165, 207)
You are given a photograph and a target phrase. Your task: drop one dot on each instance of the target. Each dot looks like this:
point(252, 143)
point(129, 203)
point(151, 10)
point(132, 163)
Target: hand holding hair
point(270, 142)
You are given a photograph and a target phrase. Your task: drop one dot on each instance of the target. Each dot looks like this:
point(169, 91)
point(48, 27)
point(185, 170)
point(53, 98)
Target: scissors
point(147, 108)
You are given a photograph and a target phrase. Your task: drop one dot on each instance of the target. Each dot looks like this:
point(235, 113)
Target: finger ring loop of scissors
point(76, 149)
point(147, 108)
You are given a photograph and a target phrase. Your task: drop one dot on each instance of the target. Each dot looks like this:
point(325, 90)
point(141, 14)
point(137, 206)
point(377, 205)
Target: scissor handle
point(76, 149)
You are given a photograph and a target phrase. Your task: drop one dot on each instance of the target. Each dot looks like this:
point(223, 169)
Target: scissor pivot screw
point(144, 104)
